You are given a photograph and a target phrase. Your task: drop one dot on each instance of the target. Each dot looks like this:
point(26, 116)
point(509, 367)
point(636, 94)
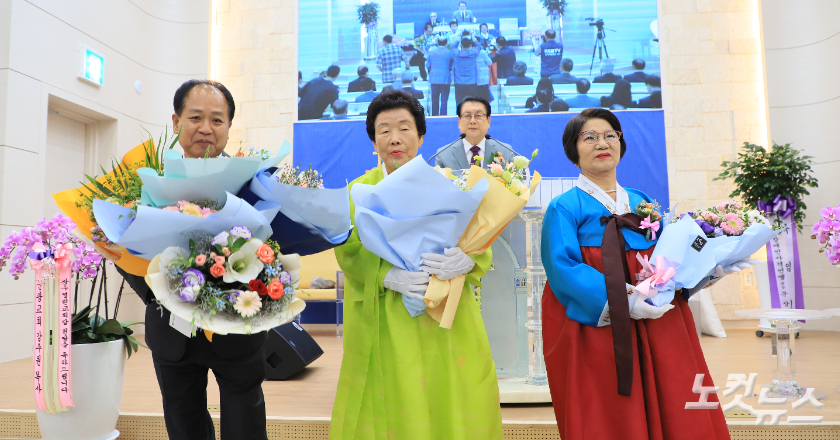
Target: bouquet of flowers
point(228, 283)
point(121, 186)
point(148, 230)
point(694, 244)
point(418, 210)
point(186, 195)
point(513, 174)
point(827, 233)
point(729, 219)
point(311, 218)
point(651, 218)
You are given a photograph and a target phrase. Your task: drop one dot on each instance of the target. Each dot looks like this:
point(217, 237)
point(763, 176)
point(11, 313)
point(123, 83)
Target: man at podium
point(463, 15)
point(473, 122)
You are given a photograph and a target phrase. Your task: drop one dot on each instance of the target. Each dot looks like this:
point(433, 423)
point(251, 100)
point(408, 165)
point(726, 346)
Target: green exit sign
point(92, 66)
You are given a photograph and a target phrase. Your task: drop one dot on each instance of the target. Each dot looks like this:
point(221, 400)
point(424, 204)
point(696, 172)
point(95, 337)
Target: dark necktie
point(463, 16)
point(616, 273)
point(475, 150)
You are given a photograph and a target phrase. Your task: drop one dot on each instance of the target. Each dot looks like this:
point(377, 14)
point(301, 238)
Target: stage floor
point(310, 394)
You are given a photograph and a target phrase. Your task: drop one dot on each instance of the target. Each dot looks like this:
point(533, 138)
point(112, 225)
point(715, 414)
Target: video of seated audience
point(523, 56)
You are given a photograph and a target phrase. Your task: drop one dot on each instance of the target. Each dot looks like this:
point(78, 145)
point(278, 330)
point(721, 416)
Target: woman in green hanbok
point(405, 377)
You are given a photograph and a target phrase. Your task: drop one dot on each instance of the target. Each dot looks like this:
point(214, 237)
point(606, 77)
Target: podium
point(511, 300)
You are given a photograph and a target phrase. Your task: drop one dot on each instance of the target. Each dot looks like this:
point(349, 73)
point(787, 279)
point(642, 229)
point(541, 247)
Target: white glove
point(411, 284)
point(642, 310)
point(453, 263)
point(733, 268)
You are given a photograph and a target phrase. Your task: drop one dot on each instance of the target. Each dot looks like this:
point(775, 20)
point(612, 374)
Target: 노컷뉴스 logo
point(735, 382)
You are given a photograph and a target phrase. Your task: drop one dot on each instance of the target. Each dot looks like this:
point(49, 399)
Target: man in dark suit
point(463, 15)
point(565, 77)
point(606, 73)
point(367, 87)
point(637, 76)
point(519, 78)
point(204, 110)
point(408, 85)
point(654, 86)
point(582, 100)
point(356, 84)
point(317, 94)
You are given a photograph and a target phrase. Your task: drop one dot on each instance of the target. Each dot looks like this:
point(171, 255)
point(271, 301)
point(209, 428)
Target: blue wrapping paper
point(679, 244)
point(201, 179)
point(310, 220)
point(154, 229)
point(414, 210)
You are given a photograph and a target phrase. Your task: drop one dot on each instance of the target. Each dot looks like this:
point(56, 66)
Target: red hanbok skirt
point(666, 357)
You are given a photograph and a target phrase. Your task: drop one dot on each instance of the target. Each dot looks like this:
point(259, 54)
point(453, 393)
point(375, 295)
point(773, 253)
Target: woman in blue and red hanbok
point(618, 367)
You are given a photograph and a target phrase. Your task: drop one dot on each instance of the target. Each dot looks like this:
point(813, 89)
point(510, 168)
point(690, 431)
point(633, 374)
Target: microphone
point(463, 135)
point(487, 136)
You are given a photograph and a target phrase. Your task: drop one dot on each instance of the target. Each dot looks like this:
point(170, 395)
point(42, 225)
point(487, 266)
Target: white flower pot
point(97, 383)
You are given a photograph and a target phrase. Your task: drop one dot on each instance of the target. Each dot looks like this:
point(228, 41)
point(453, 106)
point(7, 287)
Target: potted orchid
point(79, 355)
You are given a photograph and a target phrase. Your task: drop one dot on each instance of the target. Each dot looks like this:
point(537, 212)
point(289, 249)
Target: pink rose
point(217, 270)
point(226, 251)
point(219, 259)
point(200, 259)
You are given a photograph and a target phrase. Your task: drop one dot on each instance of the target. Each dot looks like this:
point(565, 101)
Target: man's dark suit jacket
point(414, 92)
point(356, 85)
point(636, 77)
point(170, 344)
point(608, 77)
point(652, 101)
point(519, 81)
point(505, 59)
point(315, 97)
point(563, 78)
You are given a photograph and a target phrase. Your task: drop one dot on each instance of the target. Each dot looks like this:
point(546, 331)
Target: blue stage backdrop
point(487, 11)
point(342, 151)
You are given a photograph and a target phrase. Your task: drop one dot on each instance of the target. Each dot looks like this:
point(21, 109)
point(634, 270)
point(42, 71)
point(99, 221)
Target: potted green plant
point(368, 16)
point(775, 181)
point(98, 345)
point(556, 9)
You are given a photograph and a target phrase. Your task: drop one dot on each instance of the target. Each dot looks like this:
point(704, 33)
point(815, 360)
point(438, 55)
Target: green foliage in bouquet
point(123, 185)
point(368, 13)
point(762, 175)
point(555, 6)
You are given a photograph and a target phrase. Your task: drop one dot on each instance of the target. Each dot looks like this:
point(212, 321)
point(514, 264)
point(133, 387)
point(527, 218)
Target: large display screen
point(514, 53)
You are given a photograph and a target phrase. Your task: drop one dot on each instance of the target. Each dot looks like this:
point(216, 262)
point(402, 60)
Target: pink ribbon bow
point(655, 276)
point(647, 224)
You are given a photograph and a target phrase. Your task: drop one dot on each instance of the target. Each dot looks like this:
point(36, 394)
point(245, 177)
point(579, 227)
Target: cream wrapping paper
point(498, 207)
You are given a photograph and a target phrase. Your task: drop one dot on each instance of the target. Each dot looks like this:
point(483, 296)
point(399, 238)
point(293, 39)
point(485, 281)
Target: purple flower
point(718, 232)
point(221, 239)
point(241, 231)
point(89, 273)
point(285, 278)
point(192, 277)
point(233, 295)
point(5, 251)
point(707, 228)
point(187, 294)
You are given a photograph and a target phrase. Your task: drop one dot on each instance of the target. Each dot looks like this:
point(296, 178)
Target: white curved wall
point(159, 42)
point(801, 43)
